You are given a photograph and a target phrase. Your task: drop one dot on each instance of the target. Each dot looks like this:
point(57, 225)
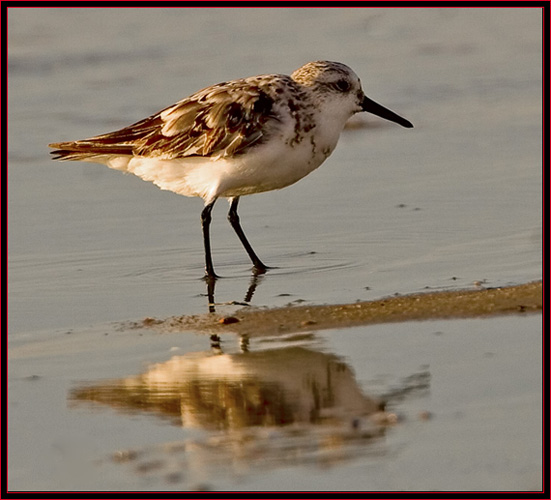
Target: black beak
point(376, 109)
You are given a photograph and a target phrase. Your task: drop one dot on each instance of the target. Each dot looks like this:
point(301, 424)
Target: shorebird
point(237, 138)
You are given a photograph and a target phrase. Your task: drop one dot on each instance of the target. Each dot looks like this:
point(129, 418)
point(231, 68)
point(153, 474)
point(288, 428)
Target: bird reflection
point(267, 408)
point(256, 279)
point(213, 390)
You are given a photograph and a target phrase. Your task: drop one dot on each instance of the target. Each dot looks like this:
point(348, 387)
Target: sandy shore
point(518, 299)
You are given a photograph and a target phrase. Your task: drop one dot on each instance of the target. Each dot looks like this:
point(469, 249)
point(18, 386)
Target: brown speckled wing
point(222, 120)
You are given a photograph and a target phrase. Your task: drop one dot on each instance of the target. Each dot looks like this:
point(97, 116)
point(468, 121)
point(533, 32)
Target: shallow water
point(455, 200)
point(140, 411)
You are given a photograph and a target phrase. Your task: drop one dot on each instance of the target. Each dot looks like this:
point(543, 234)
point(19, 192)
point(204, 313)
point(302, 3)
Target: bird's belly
point(269, 170)
point(263, 168)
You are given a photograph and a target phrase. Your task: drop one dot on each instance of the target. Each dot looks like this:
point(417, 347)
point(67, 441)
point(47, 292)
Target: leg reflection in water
point(211, 285)
point(216, 346)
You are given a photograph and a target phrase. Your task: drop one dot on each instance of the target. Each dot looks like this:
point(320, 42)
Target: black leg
point(259, 267)
point(205, 223)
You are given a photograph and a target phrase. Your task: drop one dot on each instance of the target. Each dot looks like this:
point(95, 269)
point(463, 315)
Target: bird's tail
point(119, 143)
point(87, 150)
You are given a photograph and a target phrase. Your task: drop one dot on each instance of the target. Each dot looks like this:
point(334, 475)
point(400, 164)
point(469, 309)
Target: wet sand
point(519, 299)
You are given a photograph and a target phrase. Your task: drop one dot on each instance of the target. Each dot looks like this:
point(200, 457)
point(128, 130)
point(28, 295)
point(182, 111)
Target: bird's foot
point(260, 268)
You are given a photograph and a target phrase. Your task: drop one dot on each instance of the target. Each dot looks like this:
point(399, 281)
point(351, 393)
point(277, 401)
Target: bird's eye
point(342, 85)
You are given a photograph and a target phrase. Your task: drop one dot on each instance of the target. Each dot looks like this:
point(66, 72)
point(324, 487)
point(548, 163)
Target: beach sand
point(253, 321)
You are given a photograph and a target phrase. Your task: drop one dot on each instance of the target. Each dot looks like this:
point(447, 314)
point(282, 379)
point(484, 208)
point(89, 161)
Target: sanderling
point(237, 138)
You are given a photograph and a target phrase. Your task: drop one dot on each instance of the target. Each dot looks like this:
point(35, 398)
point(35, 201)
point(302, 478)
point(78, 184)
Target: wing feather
point(219, 121)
